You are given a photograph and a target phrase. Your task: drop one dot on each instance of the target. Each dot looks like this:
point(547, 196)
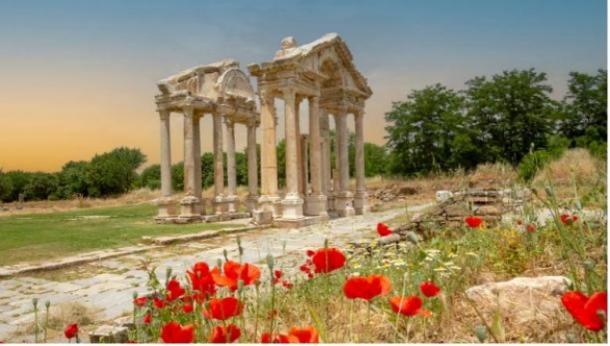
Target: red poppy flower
point(174, 290)
point(201, 278)
point(429, 289)
point(187, 308)
point(305, 268)
point(287, 284)
point(158, 303)
point(585, 310)
point(233, 272)
point(175, 333)
point(225, 335)
point(305, 335)
point(71, 331)
point(140, 301)
point(568, 219)
point(383, 229)
point(267, 338)
point(408, 306)
point(366, 287)
point(473, 221)
point(223, 308)
point(424, 312)
point(310, 253)
point(147, 319)
point(327, 260)
point(531, 228)
point(277, 276)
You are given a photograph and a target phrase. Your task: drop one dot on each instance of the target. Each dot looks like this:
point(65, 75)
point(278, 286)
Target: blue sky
point(96, 62)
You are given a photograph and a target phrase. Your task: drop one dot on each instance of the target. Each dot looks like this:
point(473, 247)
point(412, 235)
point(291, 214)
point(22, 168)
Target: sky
point(79, 77)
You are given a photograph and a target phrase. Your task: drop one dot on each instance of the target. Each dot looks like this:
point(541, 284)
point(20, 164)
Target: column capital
point(188, 111)
point(229, 122)
point(266, 97)
point(289, 93)
point(163, 114)
point(252, 122)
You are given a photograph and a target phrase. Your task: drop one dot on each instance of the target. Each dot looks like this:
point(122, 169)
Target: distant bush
point(536, 160)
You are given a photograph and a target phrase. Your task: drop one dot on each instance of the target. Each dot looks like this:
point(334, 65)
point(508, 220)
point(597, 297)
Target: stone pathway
point(106, 286)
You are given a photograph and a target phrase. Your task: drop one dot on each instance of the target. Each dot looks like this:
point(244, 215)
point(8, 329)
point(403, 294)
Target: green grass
point(36, 237)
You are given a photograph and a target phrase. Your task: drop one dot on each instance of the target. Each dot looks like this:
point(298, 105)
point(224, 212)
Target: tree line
point(508, 117)
point(115, 172)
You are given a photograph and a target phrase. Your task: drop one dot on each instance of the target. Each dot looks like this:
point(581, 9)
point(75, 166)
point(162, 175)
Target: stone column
point(300, 162)
point(219, 183)
point(197, 153)
point(252, 166)
point(231, 198)
point(360, 197)
point(304, 165)
point(343, 197)
point(326, 164)
point(269, 199)
point(165, 202)
point(292, 204)
point(316, 202)
point(189, 204)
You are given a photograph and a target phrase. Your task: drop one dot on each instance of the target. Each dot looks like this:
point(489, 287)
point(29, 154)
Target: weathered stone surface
point(109, 335)
point(523, 299)
point(493, 210)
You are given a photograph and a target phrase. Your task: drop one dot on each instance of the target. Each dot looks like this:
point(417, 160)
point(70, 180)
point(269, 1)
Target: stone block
point(109, 335)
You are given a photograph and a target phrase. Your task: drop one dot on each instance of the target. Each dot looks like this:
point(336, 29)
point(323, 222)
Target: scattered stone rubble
point(453, 207)
point(393, 192)
point(522, 300)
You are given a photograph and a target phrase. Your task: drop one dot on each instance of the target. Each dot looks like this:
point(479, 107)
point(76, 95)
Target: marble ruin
point(322, 73)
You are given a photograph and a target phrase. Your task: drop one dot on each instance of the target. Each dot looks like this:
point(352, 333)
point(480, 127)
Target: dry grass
point(47, 206)
point(575, 173)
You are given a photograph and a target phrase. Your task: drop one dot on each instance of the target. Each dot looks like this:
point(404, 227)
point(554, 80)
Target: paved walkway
point(107, 286)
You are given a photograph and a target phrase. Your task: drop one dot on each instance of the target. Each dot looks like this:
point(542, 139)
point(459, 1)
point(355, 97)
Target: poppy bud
point(47, 304)
point(35, 302)
point(219, 263)
point(225, 254)
point(481, 332)
point(134, 295)
point(270, 262)
point(168, 274)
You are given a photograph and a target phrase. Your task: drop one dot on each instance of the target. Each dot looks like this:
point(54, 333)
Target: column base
point(270, 203)
point(232, 203)
point(189, 208)
point(315, 206)
point(330, 201)
point(292, 207)
point(252, 203)
point(167, 208)
point(361, 202)
point(219, 205)
point(344, 204)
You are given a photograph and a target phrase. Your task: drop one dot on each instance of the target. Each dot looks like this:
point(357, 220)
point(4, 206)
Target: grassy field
point(33, 237)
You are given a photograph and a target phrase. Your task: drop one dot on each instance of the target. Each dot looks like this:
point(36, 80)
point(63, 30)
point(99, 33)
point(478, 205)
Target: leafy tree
point(151, 177)
point(511, 112)
point(6, 187)
point(423, 131)
point(73, 179)
point(19, 180)
point(178, 177)
point(585, 117)
point(41, 186)
point(114, 172)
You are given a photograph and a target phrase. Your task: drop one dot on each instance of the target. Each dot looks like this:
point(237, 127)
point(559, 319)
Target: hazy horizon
point(79, 77)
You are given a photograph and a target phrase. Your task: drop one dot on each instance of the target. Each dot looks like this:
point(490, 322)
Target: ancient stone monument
point(224, 91)
point(321, 72)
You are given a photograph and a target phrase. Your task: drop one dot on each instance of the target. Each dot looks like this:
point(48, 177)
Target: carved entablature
point(219, 87)
point(322, 68)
